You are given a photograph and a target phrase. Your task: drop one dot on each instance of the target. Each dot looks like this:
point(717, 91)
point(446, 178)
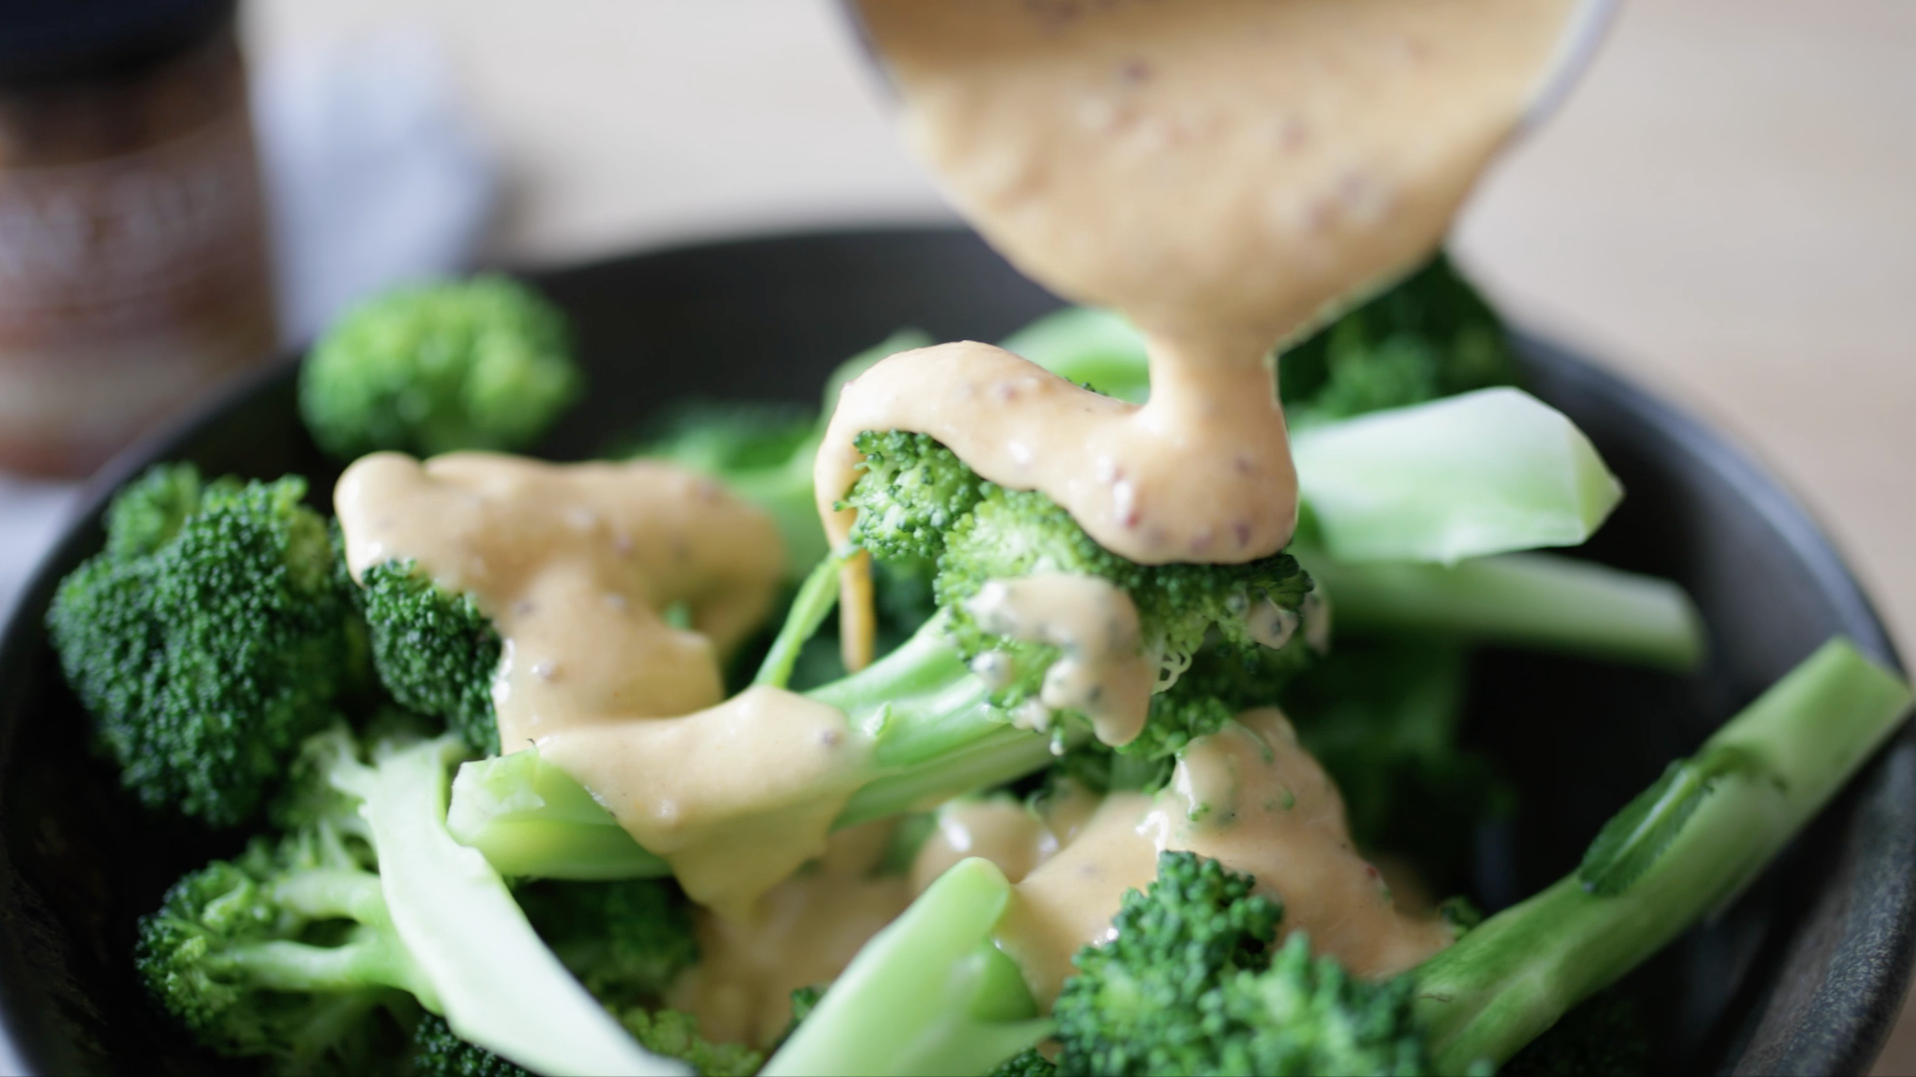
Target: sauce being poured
point(1226, 173)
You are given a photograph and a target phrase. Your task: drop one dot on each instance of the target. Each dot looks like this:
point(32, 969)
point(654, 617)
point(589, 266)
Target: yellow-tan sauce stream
point(1225, 172)
point(575, 565)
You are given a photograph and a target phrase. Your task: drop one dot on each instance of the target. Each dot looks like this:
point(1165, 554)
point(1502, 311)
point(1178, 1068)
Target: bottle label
point(127, 285)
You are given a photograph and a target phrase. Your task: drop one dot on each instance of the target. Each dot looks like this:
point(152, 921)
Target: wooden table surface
point(1726, 207)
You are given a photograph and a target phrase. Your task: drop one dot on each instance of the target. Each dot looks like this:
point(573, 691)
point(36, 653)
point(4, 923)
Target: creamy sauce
point(1249, 797)
point(1103, 672)
point(803, 931)
point(735, 797)
point(576, 566)
point(1227, 173)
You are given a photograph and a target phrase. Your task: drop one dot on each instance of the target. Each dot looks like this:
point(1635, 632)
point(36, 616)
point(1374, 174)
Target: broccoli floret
point(209, 637)
point(291, 950)
point(911, 493)
point(625, 940)
point(484, 363)
point(283, 952)
point(676, 1035)
point(438, 1052)
point(919, 499)
point(1427, 336)
point(434, 650)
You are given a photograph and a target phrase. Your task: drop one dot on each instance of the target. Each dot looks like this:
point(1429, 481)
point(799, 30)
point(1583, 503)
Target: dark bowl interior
point(1804, 975)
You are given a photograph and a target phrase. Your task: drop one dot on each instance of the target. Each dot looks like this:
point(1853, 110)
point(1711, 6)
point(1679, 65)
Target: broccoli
point(676, 1035)
point(1428, 335)
point(208, 638)
point(285, 951)
point(292, 950)
point(939, 729)
point(1192, 981)
point(434, 651)
point(484, 363)
point(438, 1052)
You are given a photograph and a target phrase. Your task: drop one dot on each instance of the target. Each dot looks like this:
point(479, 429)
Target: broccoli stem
point(295, 966)
point(935, 735)
point(1529, 599)
point(930, 994)
point(500, 987)
point(1684, 848)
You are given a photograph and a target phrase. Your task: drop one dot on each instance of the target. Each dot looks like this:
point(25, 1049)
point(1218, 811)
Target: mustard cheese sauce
point(1247, 796)
point(803, 931)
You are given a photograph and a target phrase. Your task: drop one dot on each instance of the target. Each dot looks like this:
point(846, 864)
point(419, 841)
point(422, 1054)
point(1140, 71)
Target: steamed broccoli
point(293, 950)
point(484, 363)
point(1429, 335)
point(285, 952)
point(212, 634)
point(434, 651)
point(938, 728)
point(1192, 981)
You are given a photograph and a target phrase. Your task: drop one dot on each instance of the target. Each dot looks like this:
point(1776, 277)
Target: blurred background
point(1726, 207)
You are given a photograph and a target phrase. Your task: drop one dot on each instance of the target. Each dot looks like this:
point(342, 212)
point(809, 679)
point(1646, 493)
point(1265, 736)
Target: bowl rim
point(25, 1049)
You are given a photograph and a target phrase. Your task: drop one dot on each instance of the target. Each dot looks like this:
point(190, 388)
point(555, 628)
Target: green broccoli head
point(210, 636)
point(676, 1035)
point(626, 940)
point(1192, 983)
point(912, 491)
point(282, 953)
point(435, 652)
point(1222, 628)
point(484, 363)
point(1428, 336)
point(437, 1051)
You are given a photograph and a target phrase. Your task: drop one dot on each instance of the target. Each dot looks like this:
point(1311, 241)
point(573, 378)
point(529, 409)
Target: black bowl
point(1804, 975)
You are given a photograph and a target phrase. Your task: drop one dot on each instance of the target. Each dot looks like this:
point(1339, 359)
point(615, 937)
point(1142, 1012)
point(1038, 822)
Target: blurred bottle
point(133, 247)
